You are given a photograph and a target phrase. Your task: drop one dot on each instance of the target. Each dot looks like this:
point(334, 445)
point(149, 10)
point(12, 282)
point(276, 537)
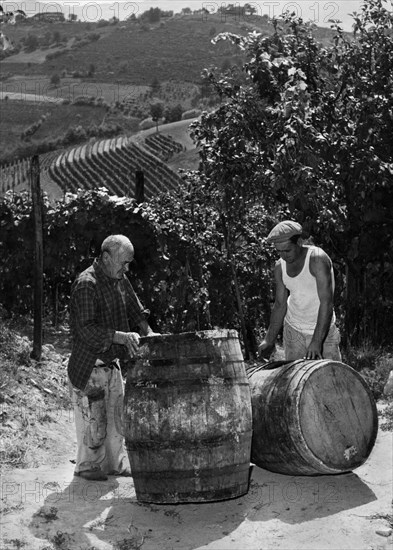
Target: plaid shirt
point(99, 306)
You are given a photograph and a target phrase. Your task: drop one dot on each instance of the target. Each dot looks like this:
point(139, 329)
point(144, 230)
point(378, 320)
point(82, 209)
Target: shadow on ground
point(298, 499)
point(85, 515)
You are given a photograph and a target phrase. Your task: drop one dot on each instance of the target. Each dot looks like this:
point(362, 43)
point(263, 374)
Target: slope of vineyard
point(15, 175)
point(110, 163)
point(162, 146)
point(113, 164)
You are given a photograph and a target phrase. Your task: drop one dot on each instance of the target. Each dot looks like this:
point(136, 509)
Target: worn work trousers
point(296, 343)
point(99, 423)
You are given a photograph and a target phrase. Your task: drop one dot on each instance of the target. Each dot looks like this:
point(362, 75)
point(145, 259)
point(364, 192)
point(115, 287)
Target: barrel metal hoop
point(189, 443)
point(193, 472)
point(153, 383)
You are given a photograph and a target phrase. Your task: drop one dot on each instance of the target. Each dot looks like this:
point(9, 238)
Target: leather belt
point(114, 364)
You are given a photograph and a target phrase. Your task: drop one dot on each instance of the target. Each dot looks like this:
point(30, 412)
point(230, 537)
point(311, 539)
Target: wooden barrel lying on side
point(188, 420)
point(311, 417)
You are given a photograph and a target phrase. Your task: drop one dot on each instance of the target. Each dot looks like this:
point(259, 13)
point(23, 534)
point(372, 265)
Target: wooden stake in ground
point(139, 186)
point(38, 256)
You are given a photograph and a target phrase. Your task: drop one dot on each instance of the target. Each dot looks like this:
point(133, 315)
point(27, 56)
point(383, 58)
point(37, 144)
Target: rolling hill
point(134, 52)
point(117, 64)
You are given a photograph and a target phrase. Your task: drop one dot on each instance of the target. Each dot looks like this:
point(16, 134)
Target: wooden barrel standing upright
point(188, 420)
point(311, 417)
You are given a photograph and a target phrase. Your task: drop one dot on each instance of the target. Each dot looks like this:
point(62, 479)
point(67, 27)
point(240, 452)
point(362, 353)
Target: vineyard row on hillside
point(110, 163)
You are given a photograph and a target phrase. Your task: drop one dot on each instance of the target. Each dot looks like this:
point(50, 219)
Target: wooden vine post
point(36, 197)
point(139, 186)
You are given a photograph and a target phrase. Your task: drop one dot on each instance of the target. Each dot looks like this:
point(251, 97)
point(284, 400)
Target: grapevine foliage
point(181, 270)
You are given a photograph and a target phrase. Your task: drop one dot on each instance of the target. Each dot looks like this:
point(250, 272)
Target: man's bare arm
point(320, 267)
point(278, 312)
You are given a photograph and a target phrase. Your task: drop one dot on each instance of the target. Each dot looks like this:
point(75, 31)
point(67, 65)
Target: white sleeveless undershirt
point(303, 301)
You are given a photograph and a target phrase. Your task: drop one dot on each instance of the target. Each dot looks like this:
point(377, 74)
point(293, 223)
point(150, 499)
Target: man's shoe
point(123, 473)
point(92, 475)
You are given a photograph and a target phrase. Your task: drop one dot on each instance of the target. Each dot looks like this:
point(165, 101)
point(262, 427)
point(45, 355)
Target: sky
point(319, 11)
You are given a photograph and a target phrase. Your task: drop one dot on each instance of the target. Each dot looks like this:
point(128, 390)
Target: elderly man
point(304, 283)
point(104, 310)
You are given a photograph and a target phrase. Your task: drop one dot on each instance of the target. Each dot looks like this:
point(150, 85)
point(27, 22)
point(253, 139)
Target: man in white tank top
point(304, 282)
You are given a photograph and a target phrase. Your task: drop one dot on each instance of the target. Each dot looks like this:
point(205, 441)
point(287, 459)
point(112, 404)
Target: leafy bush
point(192, 113)
point(54, 55)
point(93, 36)
point(182, 270)
point(146, 124)
point(14, 351)
point(372, 362)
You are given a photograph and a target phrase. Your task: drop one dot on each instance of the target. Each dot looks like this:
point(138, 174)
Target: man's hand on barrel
point(265, 349)
point(314, 351)
point(152, 333)
point(128, 339)
point(132, 342)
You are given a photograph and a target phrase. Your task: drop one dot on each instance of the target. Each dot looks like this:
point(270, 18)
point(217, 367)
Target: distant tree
point(249, 9)
point(72, 17)
point(173, 114)
point(155, 86)
point(156, 112)
point(196, 98)
point(207, 89)
point(186, 11)
point(93, 36)
point(226, 65)
point(153, 15)
point(230, 9)
point(123, 66)
point(55, 80)
point(31, 42)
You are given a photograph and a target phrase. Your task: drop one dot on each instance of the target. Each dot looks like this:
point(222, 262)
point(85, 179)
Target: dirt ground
point(46, 508)
point(50, 509)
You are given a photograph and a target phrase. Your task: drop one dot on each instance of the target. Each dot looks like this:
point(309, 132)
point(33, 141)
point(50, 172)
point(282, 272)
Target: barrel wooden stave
point(311, 417)
point(188, 418)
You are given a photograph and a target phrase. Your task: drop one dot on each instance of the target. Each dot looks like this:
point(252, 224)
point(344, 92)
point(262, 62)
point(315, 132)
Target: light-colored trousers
point(296, 343)
point(98, 414)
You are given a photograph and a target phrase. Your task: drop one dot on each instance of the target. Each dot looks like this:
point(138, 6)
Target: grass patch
point(10, 508)
point(34, 396)
point(16, 457)
point(387, 417)
point(16, 543)
point(48, 513)
point(387, 517)
point(373, 363)
point(14, 352)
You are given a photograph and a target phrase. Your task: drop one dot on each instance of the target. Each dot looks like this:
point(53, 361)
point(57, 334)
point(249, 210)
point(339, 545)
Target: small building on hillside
point(49, 17)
